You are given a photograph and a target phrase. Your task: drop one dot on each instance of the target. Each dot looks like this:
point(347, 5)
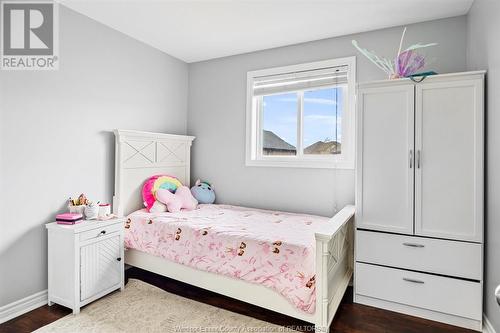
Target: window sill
point(315, 164)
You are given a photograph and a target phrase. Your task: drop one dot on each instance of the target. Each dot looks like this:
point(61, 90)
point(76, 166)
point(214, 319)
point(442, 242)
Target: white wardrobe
point(419, 197)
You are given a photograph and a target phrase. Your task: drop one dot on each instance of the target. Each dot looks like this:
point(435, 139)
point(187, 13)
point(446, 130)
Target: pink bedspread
point(274, 249)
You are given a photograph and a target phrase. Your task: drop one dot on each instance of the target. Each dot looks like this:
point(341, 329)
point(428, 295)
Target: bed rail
point(334, 265)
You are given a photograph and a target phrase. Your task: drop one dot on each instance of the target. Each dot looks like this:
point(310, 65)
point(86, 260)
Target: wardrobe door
point(385, 158)
point(449, 165)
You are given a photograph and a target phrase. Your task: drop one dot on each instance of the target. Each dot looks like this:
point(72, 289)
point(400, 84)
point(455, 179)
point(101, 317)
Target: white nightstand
point(85, 261)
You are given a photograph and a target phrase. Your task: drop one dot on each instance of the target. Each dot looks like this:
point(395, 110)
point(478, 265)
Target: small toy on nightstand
point(91, 210)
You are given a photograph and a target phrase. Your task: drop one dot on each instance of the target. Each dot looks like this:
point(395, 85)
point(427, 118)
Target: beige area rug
point(142, 307)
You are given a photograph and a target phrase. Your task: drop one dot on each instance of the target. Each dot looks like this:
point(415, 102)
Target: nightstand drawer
point(447, 295)
point(452, 258)
point(99, 232)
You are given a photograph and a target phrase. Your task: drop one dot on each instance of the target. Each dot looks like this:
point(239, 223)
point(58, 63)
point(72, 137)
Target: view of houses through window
point(319, 114)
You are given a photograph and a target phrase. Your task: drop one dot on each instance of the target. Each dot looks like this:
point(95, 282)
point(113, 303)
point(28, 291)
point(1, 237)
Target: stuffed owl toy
point(203, 192)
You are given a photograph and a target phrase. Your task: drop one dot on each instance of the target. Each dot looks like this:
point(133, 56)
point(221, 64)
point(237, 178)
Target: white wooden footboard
point(334, 265)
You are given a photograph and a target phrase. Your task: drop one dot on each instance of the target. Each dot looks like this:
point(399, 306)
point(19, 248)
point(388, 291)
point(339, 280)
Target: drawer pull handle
point(413, 245)
point(102, 233)
point(119, 259)
point(413, 280)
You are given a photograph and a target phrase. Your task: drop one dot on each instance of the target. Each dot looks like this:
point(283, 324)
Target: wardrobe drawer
point(98, 232)
point(444, 257)
point(431, 292)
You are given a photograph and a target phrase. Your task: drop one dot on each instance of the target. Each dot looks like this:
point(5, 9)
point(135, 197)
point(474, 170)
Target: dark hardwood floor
point(350, 318)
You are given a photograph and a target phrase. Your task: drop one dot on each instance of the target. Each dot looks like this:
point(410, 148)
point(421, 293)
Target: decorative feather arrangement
point(406, 63)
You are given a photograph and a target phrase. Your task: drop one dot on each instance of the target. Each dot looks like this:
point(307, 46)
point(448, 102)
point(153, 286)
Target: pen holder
point(77, 209)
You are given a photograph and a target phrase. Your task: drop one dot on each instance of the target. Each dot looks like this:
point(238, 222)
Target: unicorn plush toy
point(203, 192)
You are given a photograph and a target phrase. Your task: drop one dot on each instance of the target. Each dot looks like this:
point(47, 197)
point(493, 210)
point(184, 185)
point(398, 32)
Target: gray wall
point(56, 140)
point(483, 52)
point(217, 102)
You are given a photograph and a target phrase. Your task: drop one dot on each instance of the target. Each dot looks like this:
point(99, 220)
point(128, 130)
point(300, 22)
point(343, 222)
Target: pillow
point(153, 184)
point(182, 199)
point(158, 207)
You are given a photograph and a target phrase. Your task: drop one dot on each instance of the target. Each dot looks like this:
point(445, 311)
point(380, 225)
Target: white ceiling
point(201, 30)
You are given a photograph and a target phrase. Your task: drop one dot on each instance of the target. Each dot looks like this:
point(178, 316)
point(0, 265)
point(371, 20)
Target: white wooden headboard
point(139, 155)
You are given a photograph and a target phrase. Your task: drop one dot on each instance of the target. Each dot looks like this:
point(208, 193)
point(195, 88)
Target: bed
point(295, 264)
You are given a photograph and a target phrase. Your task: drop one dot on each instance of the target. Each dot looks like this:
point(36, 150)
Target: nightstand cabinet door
point(100, 266)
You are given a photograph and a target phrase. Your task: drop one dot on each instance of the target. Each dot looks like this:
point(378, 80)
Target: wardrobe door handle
point(413, 245)
point(413, 280)
point(411, 158)
point(119, 259)
point(102, 233)
point(418, 159)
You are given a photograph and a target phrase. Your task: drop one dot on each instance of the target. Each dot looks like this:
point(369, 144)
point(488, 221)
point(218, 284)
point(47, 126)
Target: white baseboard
point(17, 308)
point(487, 327)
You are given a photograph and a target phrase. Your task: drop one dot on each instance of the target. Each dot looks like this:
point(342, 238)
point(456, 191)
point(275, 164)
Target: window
point(302, 115)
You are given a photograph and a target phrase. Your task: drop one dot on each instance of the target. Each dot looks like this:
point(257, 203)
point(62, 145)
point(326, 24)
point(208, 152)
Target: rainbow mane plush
point(155, 183)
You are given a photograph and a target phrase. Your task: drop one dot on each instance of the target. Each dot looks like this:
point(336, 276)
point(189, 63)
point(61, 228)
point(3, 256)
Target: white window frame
point(344, 160)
